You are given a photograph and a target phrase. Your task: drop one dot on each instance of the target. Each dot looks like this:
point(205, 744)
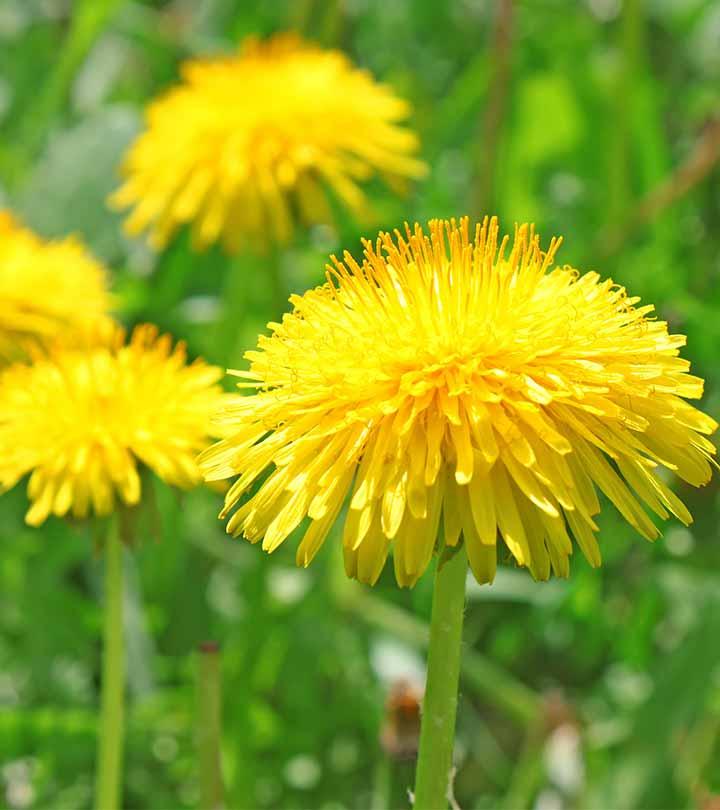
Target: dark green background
point(603, 102)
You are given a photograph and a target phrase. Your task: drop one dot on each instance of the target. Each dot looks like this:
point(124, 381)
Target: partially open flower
point(247, 143)
point(81, 421)
point(451, 381)
point(48, 290)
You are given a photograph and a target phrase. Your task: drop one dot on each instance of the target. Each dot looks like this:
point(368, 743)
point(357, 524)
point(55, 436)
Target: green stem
point(624, 92)
point(527, 774)
point(110, 742)
point(209, 729)
point(494, 117)
point(437, 732)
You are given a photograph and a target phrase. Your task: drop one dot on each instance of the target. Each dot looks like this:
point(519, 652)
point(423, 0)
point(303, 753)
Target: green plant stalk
point(209, 728)
point(528, 772)
point(494, 109)
point(437, 733)
point(625, 93)
point(111, 731)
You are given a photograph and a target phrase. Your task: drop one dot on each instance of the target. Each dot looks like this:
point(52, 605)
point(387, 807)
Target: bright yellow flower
point(246, 143)
point(80, 421)
point(47, 290)
point(449, 380)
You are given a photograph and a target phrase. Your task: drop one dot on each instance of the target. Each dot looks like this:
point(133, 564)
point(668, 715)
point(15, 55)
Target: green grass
point(603, 102)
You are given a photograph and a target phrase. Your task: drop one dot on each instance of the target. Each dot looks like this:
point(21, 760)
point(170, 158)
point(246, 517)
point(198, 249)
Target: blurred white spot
point(99, 72)
point(20, 794)
point(673, 630)
point(141, 259)
point(703, 42)
point(14, 19)
point(288, 585)
point(200, 308)
point(53, 9)
point(563, 759)
point(604, 10)
point(393, 662)
point(566, 188)
point(302, 772)
point(517, 586)
point(606, 733)
point(454, 168)
point(72, 676)
point(628, 687)
point(679, 541)
point(549, 800)
point(323, 237)
point(17, 775)
point(222, 593)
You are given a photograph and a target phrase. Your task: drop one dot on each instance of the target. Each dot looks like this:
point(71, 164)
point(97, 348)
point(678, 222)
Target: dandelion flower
point(451, 381)
point(246, 143)
point(80, 421)
point(47, 290)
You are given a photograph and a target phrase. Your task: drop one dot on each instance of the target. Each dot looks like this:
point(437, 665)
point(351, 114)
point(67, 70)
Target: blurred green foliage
point(603, 101)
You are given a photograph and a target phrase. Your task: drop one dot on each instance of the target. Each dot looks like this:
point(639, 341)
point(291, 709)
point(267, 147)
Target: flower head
point(246, 143)
point(47, 290)
point(451, 381)
point(81, 420)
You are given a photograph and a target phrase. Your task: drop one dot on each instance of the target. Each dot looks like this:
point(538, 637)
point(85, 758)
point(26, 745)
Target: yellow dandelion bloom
point(80, 421)
point(451, 381)
point(246, 143)
point(47, 290)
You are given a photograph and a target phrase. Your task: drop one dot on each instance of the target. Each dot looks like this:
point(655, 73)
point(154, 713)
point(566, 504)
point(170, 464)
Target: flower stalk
point(437, 733)
point(111, 731)
point(209, 728)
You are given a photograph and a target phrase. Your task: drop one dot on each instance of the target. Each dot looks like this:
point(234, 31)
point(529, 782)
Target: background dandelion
point(247, 143)
point(41, 283)
point(83, 421)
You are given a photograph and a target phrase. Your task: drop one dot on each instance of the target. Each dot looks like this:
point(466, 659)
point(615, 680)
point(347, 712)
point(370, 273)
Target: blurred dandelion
point(41, 284)
point(245, 145)
point(454, 380)
point(80, 421)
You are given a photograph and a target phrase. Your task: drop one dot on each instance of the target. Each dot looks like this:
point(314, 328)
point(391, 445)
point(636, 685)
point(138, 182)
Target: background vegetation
point(597, 120)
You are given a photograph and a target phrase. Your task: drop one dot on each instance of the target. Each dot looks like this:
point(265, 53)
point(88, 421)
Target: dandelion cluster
point(48, 291)
point(245, 145)
point(80, 421)
point(452, 381)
